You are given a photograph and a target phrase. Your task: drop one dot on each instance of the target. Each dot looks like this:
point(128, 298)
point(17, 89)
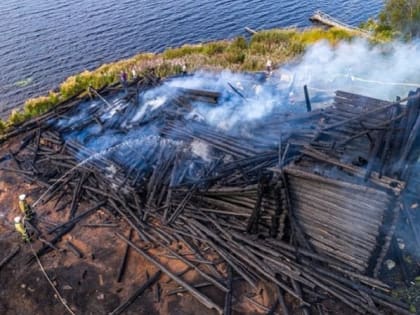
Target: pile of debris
point(308, 201)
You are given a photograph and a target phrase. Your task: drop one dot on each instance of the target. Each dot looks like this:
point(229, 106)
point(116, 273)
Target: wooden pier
point(325, 19)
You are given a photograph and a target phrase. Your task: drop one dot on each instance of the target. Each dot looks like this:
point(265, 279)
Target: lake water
point(42, 41)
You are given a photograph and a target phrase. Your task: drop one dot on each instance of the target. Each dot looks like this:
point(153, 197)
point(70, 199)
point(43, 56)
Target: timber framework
point(307, 201)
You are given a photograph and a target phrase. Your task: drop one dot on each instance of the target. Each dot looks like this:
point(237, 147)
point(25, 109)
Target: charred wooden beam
point(228, 297)
point(307, 99)
point(123, 306)
point(101, 225)
point(123, 264)
point(9, 257)
point(74, 249)
point(252, 226)
point(194, 292)
point(76, 219)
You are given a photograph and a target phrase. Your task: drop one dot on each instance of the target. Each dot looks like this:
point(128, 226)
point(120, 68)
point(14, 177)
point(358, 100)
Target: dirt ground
point(89, 284)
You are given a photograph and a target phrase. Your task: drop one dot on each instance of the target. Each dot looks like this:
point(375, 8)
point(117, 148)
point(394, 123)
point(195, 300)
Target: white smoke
point(201, 149)
point(243, 97)
point(151, 105)
point(381, 71)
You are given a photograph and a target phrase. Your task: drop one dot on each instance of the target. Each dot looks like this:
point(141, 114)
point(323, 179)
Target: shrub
point(38, 106)
point(166, 69)
point(311, 36)
point(266, 42)
point(143, 57)
point(80, 82)
point(259, 48)
point(252, 63)
point(332, 35)
point(273, 36)
point(15, 118)
point(172, 53)
point(296, 48)
point(401, 16)
point(336, 34)
point(214, 48)
point(370, 25)
point(235, 56)
point(236, 51)
point(67, 88)
point(83, 80)
point(239, 43)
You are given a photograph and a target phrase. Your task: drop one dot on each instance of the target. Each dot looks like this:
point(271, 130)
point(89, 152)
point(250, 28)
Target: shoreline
point(280, 45)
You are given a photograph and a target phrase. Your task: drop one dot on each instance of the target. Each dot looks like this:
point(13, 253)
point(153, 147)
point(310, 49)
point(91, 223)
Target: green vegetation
point(402, 16)
point(380, 32)
point(399, 18)
point(2, 126)
point(185, 50)
point(278, 45)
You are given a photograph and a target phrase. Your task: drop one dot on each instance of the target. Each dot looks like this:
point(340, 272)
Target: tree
point(402, 16)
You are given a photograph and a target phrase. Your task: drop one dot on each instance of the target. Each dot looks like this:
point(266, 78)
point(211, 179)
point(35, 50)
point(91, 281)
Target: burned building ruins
point(308, 200)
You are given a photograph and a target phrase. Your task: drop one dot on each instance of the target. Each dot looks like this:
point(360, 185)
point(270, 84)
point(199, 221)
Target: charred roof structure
point(309, 201)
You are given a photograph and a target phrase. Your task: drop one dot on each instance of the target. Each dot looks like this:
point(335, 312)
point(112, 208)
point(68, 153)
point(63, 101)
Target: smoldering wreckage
point(307, 199)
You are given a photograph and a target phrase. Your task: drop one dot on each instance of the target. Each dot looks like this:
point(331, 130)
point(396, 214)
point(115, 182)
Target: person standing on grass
point(269, 67)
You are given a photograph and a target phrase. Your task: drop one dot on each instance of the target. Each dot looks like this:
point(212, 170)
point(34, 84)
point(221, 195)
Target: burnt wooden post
point(123, 263)
point(9, 257)
point(228, 297)
point(308, 101)
point(122, 307)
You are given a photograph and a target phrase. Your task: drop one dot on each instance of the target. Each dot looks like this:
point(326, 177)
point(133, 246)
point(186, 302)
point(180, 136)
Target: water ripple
point(49, 40)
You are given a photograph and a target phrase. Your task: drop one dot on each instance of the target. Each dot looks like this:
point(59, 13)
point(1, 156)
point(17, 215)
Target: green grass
point(278, 45)
point(333, 36)
point(174, 53)
point(214, 48)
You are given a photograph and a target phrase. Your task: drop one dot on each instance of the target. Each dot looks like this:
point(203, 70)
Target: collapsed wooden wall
point(304, 200)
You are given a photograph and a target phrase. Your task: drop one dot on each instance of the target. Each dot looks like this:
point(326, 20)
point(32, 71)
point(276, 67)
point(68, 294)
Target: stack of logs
point(306, 201)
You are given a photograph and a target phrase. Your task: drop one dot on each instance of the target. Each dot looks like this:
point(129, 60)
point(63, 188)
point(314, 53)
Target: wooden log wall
point(307, 201)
